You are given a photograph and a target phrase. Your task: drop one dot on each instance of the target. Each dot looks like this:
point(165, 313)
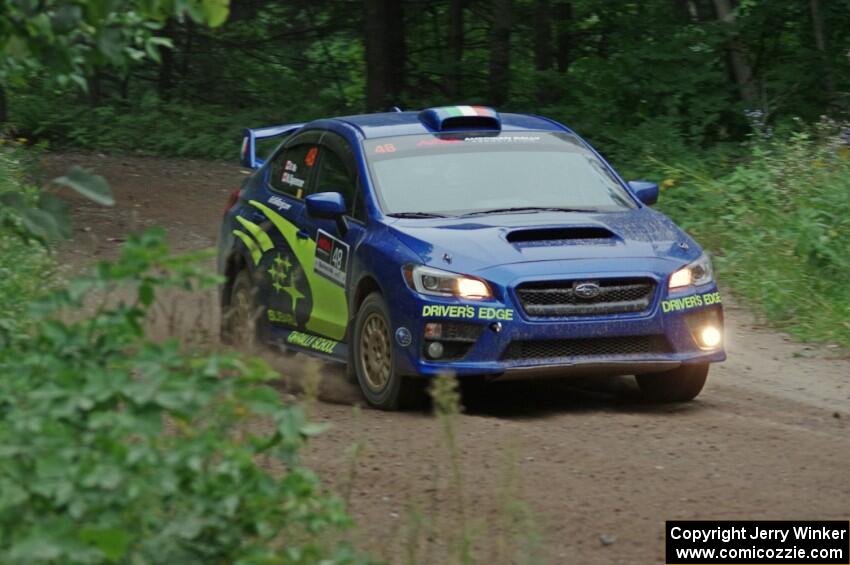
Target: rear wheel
point(373, 358)
point(239, 318)
point(679, 385)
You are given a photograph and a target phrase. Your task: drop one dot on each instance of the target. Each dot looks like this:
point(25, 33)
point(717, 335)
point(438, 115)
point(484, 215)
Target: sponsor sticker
point(689, 302)
point(310, 159)
point(314, 342)
point(505, 139)
point(291, 179)
point(278, 317)
point(331, 257)
point(279, 203)
point(468, 312)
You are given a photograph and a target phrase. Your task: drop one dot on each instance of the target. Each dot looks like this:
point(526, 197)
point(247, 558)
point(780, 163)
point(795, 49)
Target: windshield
point(455, 174)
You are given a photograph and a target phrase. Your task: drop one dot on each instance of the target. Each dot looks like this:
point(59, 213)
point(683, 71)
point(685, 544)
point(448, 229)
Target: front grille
point(586, 347)
point(558, 299)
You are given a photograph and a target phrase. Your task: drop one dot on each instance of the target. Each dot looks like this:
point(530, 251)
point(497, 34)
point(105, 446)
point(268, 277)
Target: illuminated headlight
point(695, 274)
point(437, 282)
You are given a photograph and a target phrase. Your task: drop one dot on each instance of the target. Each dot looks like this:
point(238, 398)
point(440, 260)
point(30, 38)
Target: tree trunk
point(95, 90)
point(456, 44)
point(188, 47)
point(542, 36)
point(737, 55)
point(166, 66)
point(396, 49)
point(385, 53)
point(565, 38)
point(500, 51)
point(820, 43)
point(4, 108)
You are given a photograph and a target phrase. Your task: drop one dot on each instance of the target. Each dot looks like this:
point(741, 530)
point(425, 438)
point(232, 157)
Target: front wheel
point(679, 385)
point(374, 362)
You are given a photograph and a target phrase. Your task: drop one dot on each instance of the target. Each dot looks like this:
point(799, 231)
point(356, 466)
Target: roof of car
point(387, 124)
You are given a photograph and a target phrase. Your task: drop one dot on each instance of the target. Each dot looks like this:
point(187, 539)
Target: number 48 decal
point(331, 257)
point(385, 148)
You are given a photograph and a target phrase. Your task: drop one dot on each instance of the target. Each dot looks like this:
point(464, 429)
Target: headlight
point(695, 274)
point(436, 282)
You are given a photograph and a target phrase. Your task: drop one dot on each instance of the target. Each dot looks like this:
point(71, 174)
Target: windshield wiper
point(415, 215)
point(526, 209)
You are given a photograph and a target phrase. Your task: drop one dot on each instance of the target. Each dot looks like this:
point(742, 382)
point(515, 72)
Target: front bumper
point(660, 338)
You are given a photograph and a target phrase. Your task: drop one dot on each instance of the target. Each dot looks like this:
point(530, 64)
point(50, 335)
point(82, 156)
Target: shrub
point(778, 224)
point(25, 267)
point(114, 448)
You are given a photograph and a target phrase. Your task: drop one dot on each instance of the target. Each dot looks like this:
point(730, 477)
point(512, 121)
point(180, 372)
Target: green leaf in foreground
point(92, 186)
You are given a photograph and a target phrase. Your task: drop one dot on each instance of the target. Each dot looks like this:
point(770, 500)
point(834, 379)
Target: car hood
point(477, 243)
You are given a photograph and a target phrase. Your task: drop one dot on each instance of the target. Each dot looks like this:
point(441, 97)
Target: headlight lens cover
point(436, 282)
point(694, 274)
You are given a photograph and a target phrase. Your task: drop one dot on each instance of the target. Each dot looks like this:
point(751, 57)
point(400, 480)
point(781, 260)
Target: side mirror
point(328, 205)
point(646, 192)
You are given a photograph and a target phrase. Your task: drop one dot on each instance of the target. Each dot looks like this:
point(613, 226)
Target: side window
point(333, 176)
point(290, 170)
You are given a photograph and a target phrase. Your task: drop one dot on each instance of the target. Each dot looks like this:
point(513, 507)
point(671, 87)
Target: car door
point(280, 276)
point(336, 171)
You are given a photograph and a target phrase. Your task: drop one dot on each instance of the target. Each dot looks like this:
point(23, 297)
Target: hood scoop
point(562, 236)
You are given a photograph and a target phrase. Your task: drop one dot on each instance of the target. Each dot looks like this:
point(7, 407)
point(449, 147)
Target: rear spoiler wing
point(248, 154)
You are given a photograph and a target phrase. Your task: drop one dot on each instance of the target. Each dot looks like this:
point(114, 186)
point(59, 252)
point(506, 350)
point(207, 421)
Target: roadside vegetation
point(721, 102)
point(119, 448)
point(777, 222)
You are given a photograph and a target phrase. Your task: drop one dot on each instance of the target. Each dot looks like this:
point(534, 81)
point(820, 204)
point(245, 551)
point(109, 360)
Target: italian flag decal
point(458, 111)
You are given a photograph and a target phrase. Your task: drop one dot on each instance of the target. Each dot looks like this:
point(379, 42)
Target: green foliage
point(37, 215)
point(114, 448)
point(174, 129)
point(25, 267)
point(71, 38)
point(779, 225)
point(93, 187)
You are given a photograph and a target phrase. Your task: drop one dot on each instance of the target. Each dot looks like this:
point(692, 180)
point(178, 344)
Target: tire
point(679, 385)
point(240, 325)
point(374, 357)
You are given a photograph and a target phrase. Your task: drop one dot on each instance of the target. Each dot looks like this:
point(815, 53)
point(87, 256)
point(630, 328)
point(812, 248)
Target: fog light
point(433, 330)
point(435, 350)
point(710, 336)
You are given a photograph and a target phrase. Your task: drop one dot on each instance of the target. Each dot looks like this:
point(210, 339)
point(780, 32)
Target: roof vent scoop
point(461, 118)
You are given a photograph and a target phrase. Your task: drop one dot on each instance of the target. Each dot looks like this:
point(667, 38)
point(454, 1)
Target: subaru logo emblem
point(587, 290)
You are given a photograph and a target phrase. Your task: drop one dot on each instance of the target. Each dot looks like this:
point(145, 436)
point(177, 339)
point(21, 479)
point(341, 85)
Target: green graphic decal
point(467, 312)
point(329, 315)
point(688, 302)
point(282, 279)
point(312, 342)
point(262, 237)
point(256, 254)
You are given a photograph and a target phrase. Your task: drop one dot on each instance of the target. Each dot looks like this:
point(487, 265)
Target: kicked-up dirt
point(558, 472)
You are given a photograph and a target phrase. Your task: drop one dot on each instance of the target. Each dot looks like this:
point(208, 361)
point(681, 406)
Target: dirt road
point(576, 472)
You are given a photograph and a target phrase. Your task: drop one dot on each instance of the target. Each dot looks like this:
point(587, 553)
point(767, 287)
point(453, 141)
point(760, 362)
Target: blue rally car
point(458, 239)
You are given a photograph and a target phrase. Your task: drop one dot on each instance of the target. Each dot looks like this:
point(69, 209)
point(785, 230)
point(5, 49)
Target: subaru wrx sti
point(462, 240)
